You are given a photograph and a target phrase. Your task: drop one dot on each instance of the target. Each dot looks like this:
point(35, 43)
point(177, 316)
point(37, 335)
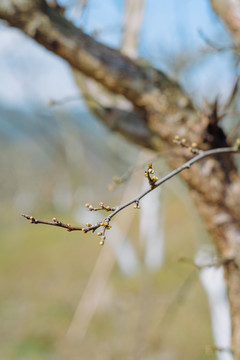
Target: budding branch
point(153, 184)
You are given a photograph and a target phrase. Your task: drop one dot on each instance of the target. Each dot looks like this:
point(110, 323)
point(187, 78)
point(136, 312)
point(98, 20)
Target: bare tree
point(160, 110)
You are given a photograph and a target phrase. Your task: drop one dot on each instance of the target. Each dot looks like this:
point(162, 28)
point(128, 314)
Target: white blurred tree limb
point(132, 22)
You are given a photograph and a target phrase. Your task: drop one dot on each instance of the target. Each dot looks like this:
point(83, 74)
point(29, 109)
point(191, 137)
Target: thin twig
point(219, 349)
point(217, 263)
point(101, 207)
point(213, 45)
point(173, 173)
point(105, 222)
point(54, 222)
point(64, 100)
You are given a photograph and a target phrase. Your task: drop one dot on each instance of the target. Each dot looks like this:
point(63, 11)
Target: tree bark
point(161, 110)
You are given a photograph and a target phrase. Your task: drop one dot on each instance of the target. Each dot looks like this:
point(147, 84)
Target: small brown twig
point(216, 264)
point(54, 222)
point(212, 348)
point(64, 100)
point(154, 183)
point(213, 45)
point(101, 207)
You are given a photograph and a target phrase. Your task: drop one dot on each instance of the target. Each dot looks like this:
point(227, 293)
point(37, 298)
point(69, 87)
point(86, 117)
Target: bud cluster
point(149, 173)
point(193, 147)
point(101, 207)
point(136, 206)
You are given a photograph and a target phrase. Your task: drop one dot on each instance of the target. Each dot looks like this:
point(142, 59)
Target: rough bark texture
point(160, 111)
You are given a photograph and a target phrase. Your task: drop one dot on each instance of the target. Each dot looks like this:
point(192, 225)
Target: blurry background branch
point(132, 22)
point(114, 110)
point(229, 12)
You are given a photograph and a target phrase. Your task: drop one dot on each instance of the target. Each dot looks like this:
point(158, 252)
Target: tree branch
point(143, 85)
point(104, 224)
point(46, 25)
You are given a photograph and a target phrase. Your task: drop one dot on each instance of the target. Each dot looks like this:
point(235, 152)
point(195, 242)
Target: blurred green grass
point(44, 270)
